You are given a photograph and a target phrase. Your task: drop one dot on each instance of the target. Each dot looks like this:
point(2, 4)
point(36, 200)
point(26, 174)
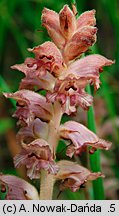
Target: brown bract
point(67, 21)
point(79, 43)
point(50, 20)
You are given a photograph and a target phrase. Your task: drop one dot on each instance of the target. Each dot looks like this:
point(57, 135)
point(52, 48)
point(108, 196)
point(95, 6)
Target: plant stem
point(46, 185)
point(98, 189)
point(47, 180)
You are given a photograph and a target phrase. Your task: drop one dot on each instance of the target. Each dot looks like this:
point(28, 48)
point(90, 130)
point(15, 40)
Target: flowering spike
point(63, 79)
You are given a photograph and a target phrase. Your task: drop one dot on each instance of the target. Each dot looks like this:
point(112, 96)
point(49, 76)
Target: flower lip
point(31, 65)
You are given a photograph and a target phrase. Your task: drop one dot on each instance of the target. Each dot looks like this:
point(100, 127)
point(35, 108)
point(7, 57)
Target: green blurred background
point(20, 28)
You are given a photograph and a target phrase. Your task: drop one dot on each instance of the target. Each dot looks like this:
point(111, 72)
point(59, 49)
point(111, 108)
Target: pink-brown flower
point(49, 53)
point(70, 92)
point(17, 188)
point(73, 176)
point(36, 156)
point(88, 67)
point(37, 129)
point(30, 105)
point(70, 86)
point(81, 138)
point(36, 74)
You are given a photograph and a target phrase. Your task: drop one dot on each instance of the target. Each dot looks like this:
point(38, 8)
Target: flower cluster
point(60, 69)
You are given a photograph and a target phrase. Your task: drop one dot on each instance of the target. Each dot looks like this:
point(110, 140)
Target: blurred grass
point(19, 25)
point(95, 160)
point(5, 124)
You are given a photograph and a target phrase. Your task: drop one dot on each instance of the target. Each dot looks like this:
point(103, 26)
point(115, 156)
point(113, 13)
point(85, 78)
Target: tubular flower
point(73, 176)
point(88, 67)
point(52, 54)
point(71, 93)
point(37, 129)
point(36, 75)
point(70, 87)
point(36, 156)
point(30, 105)
point(81, 138)
point(14, 188)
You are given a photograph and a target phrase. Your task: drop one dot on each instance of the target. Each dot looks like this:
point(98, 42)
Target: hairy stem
point(98, 189)
point(47, 180)
point(46, 185)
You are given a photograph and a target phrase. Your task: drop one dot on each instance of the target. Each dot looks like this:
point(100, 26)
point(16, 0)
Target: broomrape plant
point(58, 68)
